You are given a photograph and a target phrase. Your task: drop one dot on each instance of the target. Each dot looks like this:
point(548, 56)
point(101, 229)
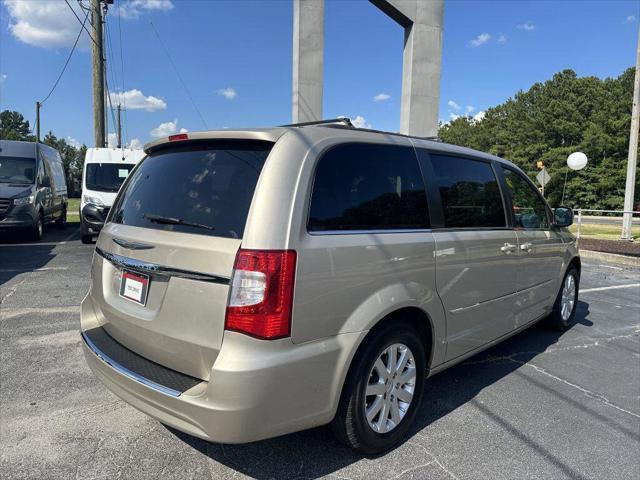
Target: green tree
point(553, 119)
point(13, 126)
point(72, 159)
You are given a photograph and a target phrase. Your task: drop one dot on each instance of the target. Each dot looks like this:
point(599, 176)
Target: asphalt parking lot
point(540, 405)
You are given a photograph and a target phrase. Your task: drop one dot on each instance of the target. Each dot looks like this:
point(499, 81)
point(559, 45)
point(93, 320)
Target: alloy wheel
point(568, 298)
point(390, 388)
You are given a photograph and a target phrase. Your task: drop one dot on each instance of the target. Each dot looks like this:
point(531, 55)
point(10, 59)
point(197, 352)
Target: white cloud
point(526, 26)
point(229, 93)
point(502, 39)
point(630, 19)
point(453, 116)
point(183, 130)
point(136, 100)
point(480, 40)
point(46, 23)
point(360, 122)
point(73, 142)
point(165, 129)
point(468, 109)
point(112, 140)
point(381, 97)
point(134, 8)
point(479, 116)
point(135, 144)
point(454, 105)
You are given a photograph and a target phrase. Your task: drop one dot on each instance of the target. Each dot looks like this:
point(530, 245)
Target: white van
point(104, 171)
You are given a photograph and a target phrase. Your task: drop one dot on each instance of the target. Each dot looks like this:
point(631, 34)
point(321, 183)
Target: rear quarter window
point(360, 186)
point(207, 187)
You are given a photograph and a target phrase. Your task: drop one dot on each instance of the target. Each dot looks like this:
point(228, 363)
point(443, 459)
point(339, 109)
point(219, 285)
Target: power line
point(184, 85)
point(126, 122)
point(113, 116)
point(80, 21)
point(110, 63)
point(67, 62)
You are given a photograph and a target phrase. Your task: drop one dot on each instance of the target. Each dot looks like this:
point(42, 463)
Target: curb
point(611, 258)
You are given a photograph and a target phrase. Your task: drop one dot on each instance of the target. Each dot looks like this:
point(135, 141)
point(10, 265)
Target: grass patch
point(73, 213)
point(604, 232)
point(73, 206)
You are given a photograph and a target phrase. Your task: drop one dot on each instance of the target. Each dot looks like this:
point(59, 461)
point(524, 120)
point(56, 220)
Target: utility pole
point(98, 74)
point(119, 128)
point(37, 121)
point(627, 218)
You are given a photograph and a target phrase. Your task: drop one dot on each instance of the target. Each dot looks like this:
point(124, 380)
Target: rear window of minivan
point(204, 188)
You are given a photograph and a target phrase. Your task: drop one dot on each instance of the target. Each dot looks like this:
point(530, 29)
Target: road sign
point(543, 177)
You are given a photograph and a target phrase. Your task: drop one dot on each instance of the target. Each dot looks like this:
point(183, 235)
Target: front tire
point(38, 229)
point(383, 390)
point(563, 315)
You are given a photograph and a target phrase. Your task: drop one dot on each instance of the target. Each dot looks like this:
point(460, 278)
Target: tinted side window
point(469, 192)
point(529, 210)
point(366, 186)
point(58, 174)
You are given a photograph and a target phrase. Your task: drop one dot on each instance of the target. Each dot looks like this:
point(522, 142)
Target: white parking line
point(43, 244)
point(612, 287)
point(73, 234)
point(43, 269)
point(31, 244)
point(8, 313)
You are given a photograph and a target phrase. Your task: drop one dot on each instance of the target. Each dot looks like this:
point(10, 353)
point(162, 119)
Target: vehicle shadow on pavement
point(29, 255)
point(315, 453)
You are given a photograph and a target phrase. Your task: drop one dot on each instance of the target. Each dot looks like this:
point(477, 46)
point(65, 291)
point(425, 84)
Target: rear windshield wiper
point(174, 221)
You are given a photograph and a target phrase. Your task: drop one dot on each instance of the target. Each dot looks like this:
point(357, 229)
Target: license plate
point(134, 287)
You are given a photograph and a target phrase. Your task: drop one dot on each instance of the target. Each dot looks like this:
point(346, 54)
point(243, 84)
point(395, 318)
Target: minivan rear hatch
point(164, 260)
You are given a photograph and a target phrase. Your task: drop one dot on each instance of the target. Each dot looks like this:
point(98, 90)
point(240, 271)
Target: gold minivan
point(253, 283)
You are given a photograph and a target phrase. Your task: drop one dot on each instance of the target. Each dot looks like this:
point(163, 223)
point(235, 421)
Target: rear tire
point(382, 388)
point(61, 222)
point(563, 315)
point(86, 239)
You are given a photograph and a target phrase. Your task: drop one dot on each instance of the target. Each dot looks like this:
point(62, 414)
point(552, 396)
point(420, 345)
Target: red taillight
point(178, 136)
point(261, 297)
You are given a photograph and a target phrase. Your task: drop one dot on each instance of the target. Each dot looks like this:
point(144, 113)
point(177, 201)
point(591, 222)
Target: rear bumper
point(257, 389)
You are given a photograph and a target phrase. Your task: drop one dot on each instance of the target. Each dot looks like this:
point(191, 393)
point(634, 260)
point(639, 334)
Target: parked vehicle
point(105, 169)
point(252, 283)
point(33, 190)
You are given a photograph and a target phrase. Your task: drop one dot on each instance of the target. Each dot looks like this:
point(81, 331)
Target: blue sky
point(235, 58)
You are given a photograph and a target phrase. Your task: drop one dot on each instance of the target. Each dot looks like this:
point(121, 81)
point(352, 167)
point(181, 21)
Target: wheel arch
point(575, 262)
point(417, 317)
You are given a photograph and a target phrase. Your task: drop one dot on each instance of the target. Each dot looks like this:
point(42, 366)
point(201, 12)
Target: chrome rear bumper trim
point(126, 372)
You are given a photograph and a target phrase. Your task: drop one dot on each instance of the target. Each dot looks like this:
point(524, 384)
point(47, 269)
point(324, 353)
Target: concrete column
point(423, 22)
point(308, 60)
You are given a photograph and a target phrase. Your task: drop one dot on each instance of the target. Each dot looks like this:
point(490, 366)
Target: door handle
point(508, 248)
point(527, 247)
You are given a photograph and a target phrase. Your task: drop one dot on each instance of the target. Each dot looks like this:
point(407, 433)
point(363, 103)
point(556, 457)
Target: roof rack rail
point(344, 120)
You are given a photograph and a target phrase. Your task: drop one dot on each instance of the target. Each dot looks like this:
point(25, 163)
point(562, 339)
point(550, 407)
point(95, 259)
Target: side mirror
point(562, 217)
point(46, 181)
